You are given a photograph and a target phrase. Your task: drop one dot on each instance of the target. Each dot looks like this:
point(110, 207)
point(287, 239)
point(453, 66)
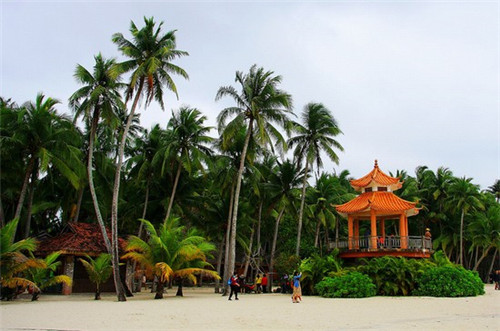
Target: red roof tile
point(78, 239)
point(377, 176)
point(379, 202)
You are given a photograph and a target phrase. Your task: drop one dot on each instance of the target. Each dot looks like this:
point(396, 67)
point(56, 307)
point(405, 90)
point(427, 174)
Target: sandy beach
point(200, 308)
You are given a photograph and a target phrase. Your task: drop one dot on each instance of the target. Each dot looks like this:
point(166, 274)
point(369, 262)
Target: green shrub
point(315, 268)
point(350, 285)
point(394, 275)
point(449, 281)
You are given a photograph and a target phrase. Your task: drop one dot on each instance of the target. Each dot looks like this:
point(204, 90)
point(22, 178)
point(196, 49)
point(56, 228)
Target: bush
point(315, 268)
point(350, 285)
point(449, 281)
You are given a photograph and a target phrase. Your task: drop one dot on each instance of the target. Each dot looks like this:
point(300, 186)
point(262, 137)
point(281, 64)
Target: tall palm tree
point(171, 252)
point(495, 189)
point(186, 144)
point(150, 52)
point(463, 197)
point(315, 135)
point(98, 98)
point(485, 231)
point(259, 104)
point(46, 138)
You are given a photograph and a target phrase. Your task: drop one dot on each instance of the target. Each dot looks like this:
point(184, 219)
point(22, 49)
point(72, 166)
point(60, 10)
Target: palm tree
point(314, 136)
point(150, 53)
point(99, 97)
point(44, 277)
point(172, 252)
point(463, 197)
point(46, 139)
point(261, 104)
point(98, 270)
point(13, 260)
point(495, 189)
point(186, 143)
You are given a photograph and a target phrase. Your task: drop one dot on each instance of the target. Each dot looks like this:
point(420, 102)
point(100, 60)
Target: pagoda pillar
point(356, 233)
point(350, 231)
point(373, 221)
point(402, 231)
point(382, 227)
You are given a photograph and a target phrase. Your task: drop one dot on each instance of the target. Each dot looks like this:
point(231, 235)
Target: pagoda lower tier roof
point(380, 202)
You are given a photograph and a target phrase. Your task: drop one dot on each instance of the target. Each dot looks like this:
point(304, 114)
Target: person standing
point(258, 283)
point(297, 291)
point(235, 286)
point(264, 283)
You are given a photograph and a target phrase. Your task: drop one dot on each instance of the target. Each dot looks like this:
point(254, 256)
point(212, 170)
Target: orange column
point(402, 230)
point(356, 233)
point(350, 231)
point(382, 228)
point(373, 220)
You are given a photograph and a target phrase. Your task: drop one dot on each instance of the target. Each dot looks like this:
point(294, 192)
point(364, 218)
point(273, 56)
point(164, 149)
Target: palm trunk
point(159, 290)
point(100, 221)
point(97, 293)
point(2, 214)
point(258, 225)
point(139, 233)
point(78, 205)
point(228, 238)
point(301, 212)
point(232, 245)
point(273, 249)
point(114, 207)
point(172, 196)
point(24, 188)
point(483, 256)
point(218, 267)
point(461, 261)
point(492, 264)
point(316, 235)
point(249, 254)
point(336, 232)
point(27, 227)
point(179, 289)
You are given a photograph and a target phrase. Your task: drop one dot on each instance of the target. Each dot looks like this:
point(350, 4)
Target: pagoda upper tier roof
point(383, 203)
point(376, 178)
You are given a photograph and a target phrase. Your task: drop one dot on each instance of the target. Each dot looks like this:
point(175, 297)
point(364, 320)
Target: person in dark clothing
point(235, 286)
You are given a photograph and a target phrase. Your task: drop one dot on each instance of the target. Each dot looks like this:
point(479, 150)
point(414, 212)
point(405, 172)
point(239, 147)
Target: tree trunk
point(218, 267)
point(273, 249)
point(336, 232)
point(97, 293)
point(2, 214)
point(461, 261)
point(249, 254)
point(179, 289)
point(316, 235)
point(139, 233)
point(301, 212)
point(34, 177)
point(24, 188)
point(78, 204)
point(228, 238)
point(159, 290)
point(114, 206)
point(483, 256)
point(259, 222)
point(234, 218)
point(95, 201)
point(493, 261)
point(172, 196)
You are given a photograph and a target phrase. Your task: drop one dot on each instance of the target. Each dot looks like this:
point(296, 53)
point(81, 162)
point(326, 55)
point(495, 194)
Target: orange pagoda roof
point(376, 178)
point(383, 203)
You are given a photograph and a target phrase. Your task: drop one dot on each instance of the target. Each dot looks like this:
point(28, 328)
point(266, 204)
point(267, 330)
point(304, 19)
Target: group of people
point(495, 278)
point(237, 283)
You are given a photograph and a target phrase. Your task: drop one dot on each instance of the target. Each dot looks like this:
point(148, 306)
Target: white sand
point(201, 309)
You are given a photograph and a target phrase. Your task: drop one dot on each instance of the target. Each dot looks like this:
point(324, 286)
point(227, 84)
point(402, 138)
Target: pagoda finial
point(376, 163)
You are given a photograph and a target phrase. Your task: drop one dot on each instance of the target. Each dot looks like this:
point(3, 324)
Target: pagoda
point(378, 205)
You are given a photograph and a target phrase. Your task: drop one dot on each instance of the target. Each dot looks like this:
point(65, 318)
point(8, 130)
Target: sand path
point(201, 309)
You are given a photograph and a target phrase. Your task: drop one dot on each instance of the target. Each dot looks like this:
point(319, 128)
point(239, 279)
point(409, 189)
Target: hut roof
point(78, 239)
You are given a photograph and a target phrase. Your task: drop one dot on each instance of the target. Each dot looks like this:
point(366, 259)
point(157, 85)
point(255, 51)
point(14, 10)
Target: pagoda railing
point(384, 243)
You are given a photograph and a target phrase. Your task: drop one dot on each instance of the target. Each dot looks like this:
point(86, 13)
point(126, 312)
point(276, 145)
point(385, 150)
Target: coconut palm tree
point(186, 143)
point(260, 104)
point(13, 260)
point(98, 98)
point(463, 197)
point(495, 189)
point(44, 277)
point(315, 135)
point(169, 253)
point(150, 53)
point(99, 270)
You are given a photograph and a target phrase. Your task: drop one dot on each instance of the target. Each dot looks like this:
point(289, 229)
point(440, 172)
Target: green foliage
point(285, 264)
point(449, 281)
point(349, 285)
point(394, 276)
point(315, 268)
point(99, 270)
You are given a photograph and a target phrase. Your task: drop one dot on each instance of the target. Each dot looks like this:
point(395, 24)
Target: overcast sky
point(410, 83)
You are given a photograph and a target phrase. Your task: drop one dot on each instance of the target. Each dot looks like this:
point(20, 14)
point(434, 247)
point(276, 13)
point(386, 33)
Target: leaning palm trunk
point(114, 207)
point(249, 254)
point(492, 261)
point(461, 261)
point(90, 175)
point(483, 256)
point(24, 188)
point(234, 218)
point(301, 211)
point(273, 249)
point(172, 196)
point(228, 238)
point(78, 205)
